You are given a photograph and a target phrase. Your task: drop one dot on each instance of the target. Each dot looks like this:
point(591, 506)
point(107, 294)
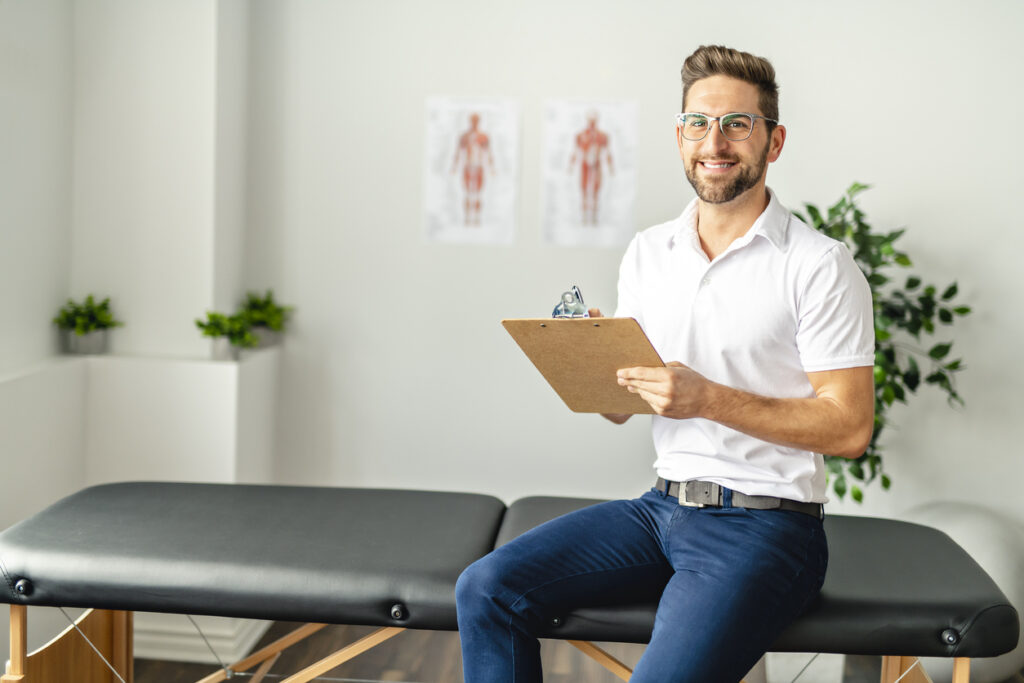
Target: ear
point(679, 140)
point(777, 142)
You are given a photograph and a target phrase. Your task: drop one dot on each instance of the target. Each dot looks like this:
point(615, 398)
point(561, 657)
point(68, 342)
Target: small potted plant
point(267, 317)
point(231, 334)
point(84, 325)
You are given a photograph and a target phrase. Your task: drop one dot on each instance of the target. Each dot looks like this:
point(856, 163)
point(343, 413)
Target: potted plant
point(84, 325)
point(234, 332)
point(907, 312)
point(266, 316)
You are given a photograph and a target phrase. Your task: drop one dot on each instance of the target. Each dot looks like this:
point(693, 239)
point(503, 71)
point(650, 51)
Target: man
point(769, 328)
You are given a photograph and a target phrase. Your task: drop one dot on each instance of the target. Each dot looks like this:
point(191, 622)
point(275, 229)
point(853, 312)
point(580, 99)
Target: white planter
point(90, 343)
point(267, 337)
point(222, 349)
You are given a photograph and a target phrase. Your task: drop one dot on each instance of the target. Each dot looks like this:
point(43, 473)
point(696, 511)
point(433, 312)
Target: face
point(720, 170)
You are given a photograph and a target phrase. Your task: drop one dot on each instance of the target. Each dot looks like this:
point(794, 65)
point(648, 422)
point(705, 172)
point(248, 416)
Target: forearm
point(838, 420)
point(819, 424)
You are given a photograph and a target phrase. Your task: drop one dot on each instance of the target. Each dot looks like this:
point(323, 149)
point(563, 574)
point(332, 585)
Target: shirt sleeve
point(836, 321)
point(629, 299)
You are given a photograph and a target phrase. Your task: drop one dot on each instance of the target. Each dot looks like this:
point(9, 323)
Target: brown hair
point(717, 60)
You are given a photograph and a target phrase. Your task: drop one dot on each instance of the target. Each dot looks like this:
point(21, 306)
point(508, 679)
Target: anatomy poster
point(589, 173)
point(472, 170)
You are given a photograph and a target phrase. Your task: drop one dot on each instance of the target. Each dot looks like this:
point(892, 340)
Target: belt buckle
point(682, 497)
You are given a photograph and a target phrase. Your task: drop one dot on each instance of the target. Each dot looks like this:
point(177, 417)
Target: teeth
point(721, 165)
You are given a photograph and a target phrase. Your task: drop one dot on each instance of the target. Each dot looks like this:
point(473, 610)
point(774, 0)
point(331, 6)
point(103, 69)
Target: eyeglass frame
point(681, 121)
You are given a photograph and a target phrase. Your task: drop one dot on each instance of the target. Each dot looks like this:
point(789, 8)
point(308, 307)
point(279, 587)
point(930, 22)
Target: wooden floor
point(409, 657)
point(434, 657)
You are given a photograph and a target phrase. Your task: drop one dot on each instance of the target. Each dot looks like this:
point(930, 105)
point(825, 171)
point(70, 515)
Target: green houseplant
point(256, 323)
point(235, 328)
point(264, 312)
point(907, 313)
point(85, 324)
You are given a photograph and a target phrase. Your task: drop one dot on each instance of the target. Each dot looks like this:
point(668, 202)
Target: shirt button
point(706, 281)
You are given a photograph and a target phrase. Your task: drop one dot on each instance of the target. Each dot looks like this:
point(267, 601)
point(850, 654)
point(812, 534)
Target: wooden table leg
point(19, 645)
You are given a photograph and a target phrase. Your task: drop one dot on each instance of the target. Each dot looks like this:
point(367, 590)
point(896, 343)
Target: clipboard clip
point(571, 305)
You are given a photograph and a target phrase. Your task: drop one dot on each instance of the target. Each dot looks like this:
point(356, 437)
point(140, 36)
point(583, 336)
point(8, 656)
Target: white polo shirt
point(783, 300)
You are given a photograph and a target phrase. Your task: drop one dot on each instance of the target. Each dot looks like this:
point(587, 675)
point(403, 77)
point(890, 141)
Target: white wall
point(144, 165)
point(35, 175)
point(231, 70)
point(435, 394)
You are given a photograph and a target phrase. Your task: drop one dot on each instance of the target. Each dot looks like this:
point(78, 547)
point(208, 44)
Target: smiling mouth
point(717, 165)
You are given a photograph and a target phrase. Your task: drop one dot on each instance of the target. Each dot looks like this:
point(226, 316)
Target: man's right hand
point(617, 418)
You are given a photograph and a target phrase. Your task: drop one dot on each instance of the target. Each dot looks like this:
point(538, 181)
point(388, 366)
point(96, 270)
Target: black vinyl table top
point(391, 558)
point(290, 553)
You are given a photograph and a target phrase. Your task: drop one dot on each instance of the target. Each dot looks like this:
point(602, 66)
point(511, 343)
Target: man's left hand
point(673, 391)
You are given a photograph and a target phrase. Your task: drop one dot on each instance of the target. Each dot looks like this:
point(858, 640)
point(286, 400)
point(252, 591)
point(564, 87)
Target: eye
point(696, 121)
point(738, 122)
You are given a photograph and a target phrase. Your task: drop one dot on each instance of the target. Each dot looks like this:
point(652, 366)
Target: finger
point(653, 400)
point(595, 312)
point(641, 373)
point(660, 389)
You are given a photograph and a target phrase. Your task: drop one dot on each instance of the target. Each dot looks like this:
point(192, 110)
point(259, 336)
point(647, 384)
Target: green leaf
point(839, 486)
point(962, 310)
point(939, 351)
point(856, 470)
point(912, 377)
point(946, 315)
point(903, 260)
point(954, 366)
point(913, 282)
point(815, 215)
point(857, 494)
point(950, 292)
point(886, 482)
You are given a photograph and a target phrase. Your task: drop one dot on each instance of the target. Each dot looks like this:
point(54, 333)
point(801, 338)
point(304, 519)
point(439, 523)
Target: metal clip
point(571, 305)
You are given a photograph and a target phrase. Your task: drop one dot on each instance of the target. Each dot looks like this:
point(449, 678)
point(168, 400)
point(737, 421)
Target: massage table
point(390, 559)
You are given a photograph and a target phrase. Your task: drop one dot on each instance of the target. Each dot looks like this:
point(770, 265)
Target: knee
point(479, 588)
point(475, 583)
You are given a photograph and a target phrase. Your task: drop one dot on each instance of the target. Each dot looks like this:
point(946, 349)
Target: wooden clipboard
point(579, 357)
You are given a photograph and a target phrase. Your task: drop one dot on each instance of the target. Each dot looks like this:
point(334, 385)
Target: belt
point(696, 493)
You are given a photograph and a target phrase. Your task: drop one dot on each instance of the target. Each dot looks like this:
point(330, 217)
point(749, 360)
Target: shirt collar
point(772, 224)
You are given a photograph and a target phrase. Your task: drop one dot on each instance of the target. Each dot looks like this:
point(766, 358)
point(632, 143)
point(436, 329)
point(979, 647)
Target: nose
point(715, 139)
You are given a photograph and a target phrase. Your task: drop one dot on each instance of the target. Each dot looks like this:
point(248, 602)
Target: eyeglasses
point(735, 127)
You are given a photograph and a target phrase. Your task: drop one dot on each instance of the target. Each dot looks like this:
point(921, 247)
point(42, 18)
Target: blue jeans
point(729, 580)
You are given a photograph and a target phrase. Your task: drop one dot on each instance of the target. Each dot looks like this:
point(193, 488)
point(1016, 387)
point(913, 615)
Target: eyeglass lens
point(734, 127)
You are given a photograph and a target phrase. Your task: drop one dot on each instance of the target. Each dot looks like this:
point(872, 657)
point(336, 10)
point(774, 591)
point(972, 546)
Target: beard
point(725, 191)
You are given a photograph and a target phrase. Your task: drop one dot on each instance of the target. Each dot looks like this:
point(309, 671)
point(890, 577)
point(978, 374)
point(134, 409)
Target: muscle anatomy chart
point(471, 183)
point(589, 174)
